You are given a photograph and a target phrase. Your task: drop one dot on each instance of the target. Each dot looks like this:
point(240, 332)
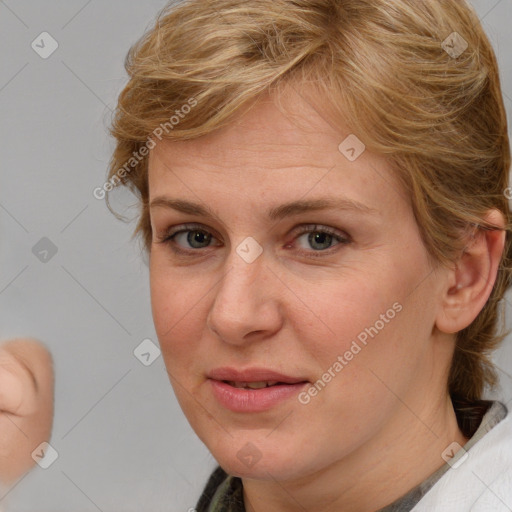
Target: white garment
point(482, 483)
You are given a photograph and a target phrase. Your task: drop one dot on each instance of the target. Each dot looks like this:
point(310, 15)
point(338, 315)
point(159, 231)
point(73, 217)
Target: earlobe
point(471, 281)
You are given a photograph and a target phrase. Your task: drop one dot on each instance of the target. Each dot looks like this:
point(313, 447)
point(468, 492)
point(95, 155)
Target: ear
point(470, 282)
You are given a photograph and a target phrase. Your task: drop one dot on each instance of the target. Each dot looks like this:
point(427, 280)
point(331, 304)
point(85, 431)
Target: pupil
point(198, 237)
point(320, 238)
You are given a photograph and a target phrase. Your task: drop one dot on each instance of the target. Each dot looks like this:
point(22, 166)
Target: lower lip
point(253, 400)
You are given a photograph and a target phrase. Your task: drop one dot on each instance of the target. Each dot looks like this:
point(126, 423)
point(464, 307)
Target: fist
point(26, 404)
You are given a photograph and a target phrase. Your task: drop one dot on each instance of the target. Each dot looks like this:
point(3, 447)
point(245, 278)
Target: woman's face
point(342, 315)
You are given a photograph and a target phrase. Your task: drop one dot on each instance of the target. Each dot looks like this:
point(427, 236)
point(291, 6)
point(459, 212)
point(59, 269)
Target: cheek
point(176, 304)
point(341, 310)
point(377, 352)
point(168, 289)
point(371, 321)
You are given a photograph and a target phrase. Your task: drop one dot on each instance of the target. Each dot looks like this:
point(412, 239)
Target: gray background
point(123, 443)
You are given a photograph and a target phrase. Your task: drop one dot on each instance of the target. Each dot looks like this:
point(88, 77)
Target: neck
point(403, 454)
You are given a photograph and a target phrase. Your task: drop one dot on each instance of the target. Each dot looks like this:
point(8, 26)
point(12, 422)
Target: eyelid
point(166, 234)
point(313, 228)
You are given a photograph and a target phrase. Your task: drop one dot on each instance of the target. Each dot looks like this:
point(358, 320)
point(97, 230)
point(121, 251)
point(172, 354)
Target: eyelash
point(168, 238)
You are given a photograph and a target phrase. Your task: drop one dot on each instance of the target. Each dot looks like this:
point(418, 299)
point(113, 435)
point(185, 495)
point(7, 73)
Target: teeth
point(256, 385)
point(253, 385)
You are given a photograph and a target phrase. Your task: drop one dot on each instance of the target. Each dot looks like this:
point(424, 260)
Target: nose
point(247, 302)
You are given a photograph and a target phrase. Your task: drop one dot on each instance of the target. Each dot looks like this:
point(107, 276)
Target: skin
point(380, 426)
point(26, 404)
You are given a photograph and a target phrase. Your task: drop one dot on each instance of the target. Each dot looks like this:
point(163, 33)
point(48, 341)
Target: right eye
point(187, 239)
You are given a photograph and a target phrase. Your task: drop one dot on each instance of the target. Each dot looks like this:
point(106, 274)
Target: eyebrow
point(276, 213)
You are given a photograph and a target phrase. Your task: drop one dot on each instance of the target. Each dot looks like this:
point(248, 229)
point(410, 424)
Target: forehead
point(272, 152)
point(295, 135)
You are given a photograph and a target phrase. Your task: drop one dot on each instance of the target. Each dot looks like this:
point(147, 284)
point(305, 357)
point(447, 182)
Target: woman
point(322, 199)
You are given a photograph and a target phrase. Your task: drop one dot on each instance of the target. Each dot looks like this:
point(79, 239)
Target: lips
point(253, 390)
point(252, 375)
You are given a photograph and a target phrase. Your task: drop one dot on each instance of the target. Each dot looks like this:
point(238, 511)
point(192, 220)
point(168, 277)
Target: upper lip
point(252, 375)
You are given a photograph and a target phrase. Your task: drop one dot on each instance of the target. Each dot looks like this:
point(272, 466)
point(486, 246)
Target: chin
point(245, 457)
point(270, 470)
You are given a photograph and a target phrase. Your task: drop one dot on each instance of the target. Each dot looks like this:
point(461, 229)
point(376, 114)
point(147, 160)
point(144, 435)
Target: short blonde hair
point(416, 80)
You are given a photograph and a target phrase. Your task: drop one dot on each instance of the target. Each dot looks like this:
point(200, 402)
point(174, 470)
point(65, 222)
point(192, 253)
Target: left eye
point(319, 238)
